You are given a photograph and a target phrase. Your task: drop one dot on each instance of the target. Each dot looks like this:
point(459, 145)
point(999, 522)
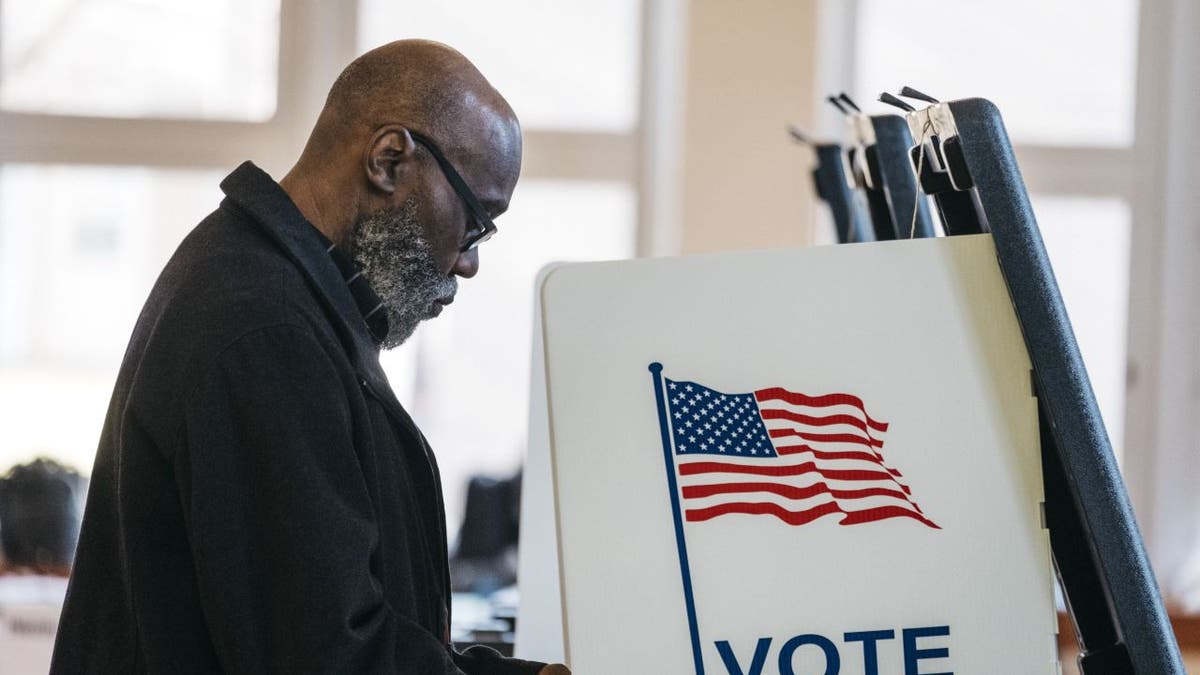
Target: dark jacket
point(260, 501)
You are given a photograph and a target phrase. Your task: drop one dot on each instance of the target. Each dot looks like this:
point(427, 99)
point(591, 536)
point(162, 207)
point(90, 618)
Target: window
point(1068, 105)
point(577, 66)
point(199, 60)
point(1062, 73)
point(76, 272)
point(108, 157)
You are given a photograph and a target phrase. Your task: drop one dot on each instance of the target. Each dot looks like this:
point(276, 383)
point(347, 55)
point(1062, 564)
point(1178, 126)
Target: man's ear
point(390, 149)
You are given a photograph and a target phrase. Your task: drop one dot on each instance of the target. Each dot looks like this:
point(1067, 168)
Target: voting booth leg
point(1099, 644)
point(833, 187)
point(1110, 588)
point(955, 203)
point(879, 160)
point(892, 143)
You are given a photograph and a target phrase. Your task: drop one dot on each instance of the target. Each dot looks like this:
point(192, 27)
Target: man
point(260, 501)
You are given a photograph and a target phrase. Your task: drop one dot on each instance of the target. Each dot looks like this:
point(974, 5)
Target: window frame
point(317, 38)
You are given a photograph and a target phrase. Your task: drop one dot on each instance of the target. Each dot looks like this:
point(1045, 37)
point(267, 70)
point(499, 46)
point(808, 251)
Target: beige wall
point(750, 70)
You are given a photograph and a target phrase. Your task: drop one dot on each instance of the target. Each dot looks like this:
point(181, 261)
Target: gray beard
point(399, 264)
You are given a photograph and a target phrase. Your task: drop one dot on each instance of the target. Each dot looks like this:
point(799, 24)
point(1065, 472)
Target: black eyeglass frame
point(485, 228)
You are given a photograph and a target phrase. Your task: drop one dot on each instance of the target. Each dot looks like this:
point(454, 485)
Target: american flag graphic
point(784, 454)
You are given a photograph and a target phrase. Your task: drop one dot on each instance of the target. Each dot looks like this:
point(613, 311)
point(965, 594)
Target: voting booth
point(870, 458)
point(758, 470)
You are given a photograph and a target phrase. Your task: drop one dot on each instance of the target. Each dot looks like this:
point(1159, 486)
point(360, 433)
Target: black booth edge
point(1065, 392)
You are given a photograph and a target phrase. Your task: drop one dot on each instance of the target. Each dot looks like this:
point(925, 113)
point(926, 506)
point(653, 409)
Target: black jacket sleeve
point(480, 660)
point(280, 522)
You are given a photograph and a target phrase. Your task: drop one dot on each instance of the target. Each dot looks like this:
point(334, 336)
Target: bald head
point(362, 156)
point(423, 83)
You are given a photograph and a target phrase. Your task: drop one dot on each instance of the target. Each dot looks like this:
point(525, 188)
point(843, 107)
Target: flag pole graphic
point(684, 568)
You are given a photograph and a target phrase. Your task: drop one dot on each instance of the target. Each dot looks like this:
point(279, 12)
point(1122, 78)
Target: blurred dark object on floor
point(486, 557)
point(41, 506)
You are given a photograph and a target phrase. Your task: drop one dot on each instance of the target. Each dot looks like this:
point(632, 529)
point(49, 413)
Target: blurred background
point(653, 127)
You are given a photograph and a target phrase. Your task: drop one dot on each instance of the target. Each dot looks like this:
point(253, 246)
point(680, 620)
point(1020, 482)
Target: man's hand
point(555, 669)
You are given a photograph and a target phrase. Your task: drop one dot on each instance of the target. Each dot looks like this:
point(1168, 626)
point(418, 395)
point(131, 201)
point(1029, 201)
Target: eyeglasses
point(484, 227)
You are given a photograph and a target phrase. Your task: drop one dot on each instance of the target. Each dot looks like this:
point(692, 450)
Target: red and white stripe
point(829, 463)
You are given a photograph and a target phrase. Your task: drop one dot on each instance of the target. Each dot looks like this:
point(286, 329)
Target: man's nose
point(466, 265)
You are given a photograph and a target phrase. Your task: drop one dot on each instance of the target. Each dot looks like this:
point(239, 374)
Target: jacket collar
point(250, 190)
point(255, 193)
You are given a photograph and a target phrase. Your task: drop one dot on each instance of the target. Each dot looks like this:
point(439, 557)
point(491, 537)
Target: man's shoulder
point(227, 289)
point(226, 280)
point(228, 277)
